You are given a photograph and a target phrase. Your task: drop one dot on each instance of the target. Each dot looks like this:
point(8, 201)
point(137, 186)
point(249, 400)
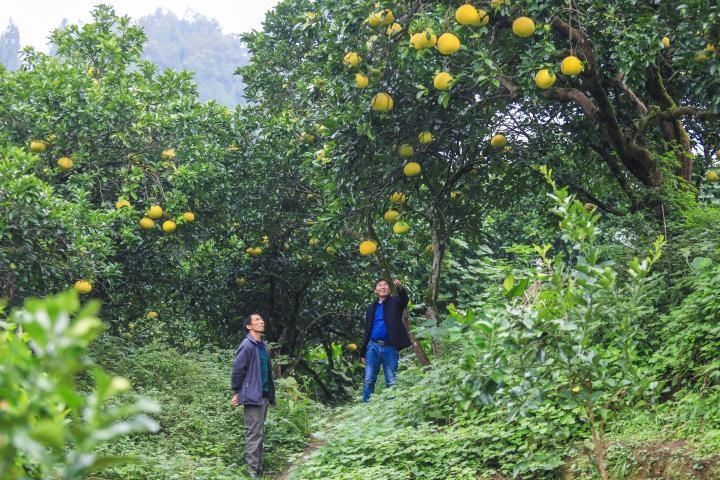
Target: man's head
point(382, 288)
point(254, 323)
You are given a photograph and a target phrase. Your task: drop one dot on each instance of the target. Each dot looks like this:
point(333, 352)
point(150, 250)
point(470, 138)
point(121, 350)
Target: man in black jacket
point(385, 336)
point(253, 385)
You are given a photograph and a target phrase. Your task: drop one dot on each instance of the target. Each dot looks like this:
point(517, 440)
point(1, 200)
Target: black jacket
point(246, 379)
point(393, 308)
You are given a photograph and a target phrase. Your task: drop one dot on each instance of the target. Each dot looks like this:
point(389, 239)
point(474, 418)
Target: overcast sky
point(35, 19)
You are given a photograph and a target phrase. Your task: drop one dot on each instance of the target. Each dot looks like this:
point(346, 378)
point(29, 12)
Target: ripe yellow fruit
point(425, 137)
point(367, 247)
point(712, 176)
point(253, 251)
point(122, 204)
point(382, 102)
point(189, 217)
point(330, 250)
point(424, 39)
point(38, 146)
point(498, 140)
point(154, 212)
point(442, 81)
point(412, 169)
point(406, 151)
point(83, 287)
point(374, 19)
point(455, 195)
point(401, 227)
point(394, 29)
point(65, 163)
point(361, 81)
point(386, 17)
point(398, 197)
point(523, 27)
point(391, 216)
point(575, 389)
point(545, 79)
point(351, 59)
point(240, 281)
point(467, 15)
point(314, 241)
point(147, 223)
point(152, 315)
point(666, 42)
point(168, 154)
point(169, 226)
point(484, 17)
point(701, 57)
point(498, 3)
point(448, 44)
point(710, 47)
point(429, 249)
point(571, 65)
point(352, 347)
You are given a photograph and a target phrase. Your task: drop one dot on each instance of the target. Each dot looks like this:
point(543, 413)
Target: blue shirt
point(379, 332)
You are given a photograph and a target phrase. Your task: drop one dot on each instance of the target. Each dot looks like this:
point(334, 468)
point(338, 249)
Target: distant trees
point(198, 45)
point(10, 46)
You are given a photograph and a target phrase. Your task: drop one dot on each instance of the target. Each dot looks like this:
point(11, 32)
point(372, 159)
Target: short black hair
point(247, 320)
point(381, 280)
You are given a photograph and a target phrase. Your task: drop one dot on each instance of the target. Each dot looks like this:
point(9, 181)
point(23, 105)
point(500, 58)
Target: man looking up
point(254, 388)
point(385, 336)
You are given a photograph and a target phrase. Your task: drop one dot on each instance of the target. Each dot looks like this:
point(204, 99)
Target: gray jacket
point(246, 379)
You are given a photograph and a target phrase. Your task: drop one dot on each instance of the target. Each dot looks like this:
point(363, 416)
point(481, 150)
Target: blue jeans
point(375, 356)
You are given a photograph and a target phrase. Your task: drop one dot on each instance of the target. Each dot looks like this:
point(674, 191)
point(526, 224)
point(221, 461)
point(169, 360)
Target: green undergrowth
point(418, 432)
point(201, 435)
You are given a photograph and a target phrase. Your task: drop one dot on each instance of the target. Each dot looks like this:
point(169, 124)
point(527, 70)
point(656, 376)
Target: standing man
point(385, 336)
point(253, 386)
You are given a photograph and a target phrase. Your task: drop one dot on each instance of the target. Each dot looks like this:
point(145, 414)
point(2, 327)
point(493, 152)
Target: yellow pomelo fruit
point(429, 249)
point(424, 39)
point(169, 226)
point(406, 151)
point(523, 27)
point(352, 347)
point(394, 29)
point(147, 223)
point(152, 315)
point(442, 81)
point(189, 217)
point(498, 140)
point(391, 216)
point(712, 176)
point(545, 79)
point(498, 3)
point(398, 197)
point(367, 247)
point(168, 154)
point(484, 17)
point(571, 65)
point(401, 227)
point(361, 81)
point(374, 19)
point(412, 169)
point(240, 281)
point(666, 42)
point(467, 15)
point(83, 286)
point(448, 44)
point(701, 57)
point(38, 146)
point(386, 17)
point(710, 47)
point(253, 251)
point(382, 102)
point(313, 241)
point(154, 212)
point(425, 137)
point(330, 250)
point(351, 59)
point(416, 41)
point(122, 204)
point(65, 163)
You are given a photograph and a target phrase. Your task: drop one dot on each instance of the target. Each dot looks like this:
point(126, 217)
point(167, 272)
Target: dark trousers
point(254, 434)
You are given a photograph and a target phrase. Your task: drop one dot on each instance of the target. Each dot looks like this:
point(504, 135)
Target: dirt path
point(314, 444)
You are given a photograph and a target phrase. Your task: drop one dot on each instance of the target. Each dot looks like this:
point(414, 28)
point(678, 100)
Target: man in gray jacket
point(254, 389)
